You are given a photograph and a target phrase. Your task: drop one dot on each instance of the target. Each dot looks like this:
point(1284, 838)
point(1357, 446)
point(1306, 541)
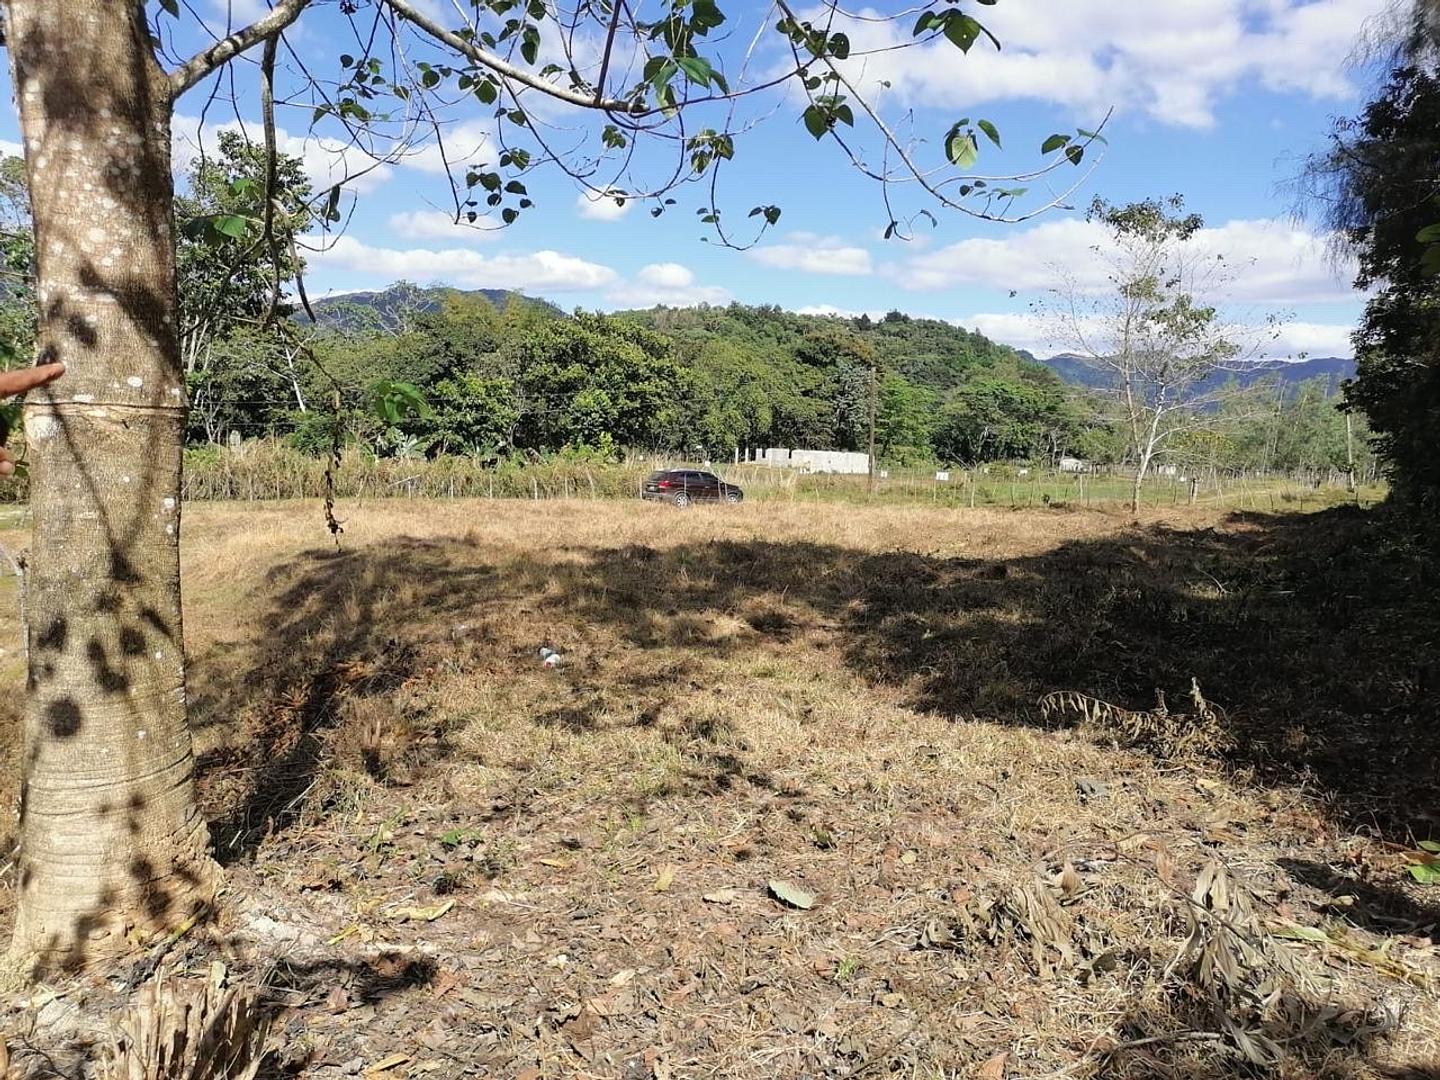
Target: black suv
point(685, 486)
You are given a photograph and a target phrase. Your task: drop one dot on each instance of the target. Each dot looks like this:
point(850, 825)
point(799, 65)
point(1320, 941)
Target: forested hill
point(929, 353)
point(394, 307)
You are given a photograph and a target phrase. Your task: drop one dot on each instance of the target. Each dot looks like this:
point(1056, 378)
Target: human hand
point(17, 382)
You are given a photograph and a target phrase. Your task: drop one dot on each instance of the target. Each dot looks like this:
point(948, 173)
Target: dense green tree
point(1380, 188)
point(905, 416)
point(228, 273)
point(993, 418)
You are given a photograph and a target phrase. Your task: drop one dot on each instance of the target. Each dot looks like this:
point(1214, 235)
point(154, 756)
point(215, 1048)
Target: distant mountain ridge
point(1078, 371)
point(386, 309)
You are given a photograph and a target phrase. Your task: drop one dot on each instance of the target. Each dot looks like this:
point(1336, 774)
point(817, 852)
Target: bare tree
point(1154, 328)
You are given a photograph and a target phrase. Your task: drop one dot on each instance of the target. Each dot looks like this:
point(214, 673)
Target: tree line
point(423, 372)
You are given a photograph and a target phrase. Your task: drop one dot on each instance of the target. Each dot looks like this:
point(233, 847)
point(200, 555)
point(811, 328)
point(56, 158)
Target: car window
point(709, 477)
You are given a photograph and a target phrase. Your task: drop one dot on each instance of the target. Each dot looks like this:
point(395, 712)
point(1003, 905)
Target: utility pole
point(1350, 454)
point(870, 481)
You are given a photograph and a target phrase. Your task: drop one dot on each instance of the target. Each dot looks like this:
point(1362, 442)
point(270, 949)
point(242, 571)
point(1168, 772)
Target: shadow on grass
point(1315, 634)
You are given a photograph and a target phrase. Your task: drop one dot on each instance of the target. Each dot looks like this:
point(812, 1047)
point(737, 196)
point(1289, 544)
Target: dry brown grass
point(843, 698)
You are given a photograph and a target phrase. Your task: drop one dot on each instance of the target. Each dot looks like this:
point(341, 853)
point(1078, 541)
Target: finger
point(7, 467)
point(22, 379)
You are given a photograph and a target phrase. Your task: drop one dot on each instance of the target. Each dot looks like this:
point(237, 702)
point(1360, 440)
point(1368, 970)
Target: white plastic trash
point(549, 657)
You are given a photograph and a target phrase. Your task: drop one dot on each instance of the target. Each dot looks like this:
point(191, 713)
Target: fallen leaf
point(791, 894)
point(422, 914)
point(1133, 842)
point(1302, 933)
point(665, 879)
point(620, 978)
point(445, 981)
point(1069, 880)
point(559, 864)
point(909, 857)
point(994, 1069)
point(387, 1063)
point(343, 934)
point(721, 896)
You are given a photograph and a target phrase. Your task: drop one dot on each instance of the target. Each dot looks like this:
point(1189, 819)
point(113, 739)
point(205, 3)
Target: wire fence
point(273, 470)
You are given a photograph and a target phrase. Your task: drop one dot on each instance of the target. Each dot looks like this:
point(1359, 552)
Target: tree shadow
point(1313, 634)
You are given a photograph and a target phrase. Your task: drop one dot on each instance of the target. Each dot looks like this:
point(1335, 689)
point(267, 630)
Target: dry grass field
point(447, 859)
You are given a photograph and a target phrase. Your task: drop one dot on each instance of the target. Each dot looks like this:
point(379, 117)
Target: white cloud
point(814, 255)
point(440, 225)
point(1273, 262)
point(326, 160)
point(601, 207)
point(1171, 59)
point(11, 149)
point(464, 143)
point(1294, 340)
point(665, 283)
point(546, 271)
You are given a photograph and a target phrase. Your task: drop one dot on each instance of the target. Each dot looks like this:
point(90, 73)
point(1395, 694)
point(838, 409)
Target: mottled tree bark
point(112, 843)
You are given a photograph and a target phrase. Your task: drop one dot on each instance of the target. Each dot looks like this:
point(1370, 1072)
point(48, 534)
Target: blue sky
point(1220, 100)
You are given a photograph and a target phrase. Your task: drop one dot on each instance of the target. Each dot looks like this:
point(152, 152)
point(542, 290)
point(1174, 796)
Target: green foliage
point(1381, 184)
point(993, 418)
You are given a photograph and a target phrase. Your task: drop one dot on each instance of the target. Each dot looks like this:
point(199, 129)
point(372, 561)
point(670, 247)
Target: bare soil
point(445, 858)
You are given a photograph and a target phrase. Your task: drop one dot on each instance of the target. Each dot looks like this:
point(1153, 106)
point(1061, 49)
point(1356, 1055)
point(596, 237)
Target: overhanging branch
point(501, 66)
point(226, 49)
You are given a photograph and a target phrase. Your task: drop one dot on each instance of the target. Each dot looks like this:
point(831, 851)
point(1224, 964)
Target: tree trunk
point(112, 846)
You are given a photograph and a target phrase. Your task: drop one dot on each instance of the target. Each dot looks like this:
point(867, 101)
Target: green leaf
point(815, 121)
point(696, 68)
point(928, 21)
point(1075, 153)
point(1425, 873)
point(962, 29)
point(1093, 136)
point(392, 401)
point(1429, 235)
point(791, 894)
point(991, 130)
point(171, 6)
point(1053, 143)
point(1432, 846)
point(230, 225)
point(962, 148)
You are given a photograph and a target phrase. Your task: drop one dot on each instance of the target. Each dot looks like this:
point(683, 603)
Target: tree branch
point(211, 59)
point(503, 67)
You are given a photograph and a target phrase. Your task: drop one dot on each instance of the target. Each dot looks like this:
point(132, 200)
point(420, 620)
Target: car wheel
point(733, 498)
point(681, 501)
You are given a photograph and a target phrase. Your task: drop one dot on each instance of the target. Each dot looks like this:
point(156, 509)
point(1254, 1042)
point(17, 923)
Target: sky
point(1218, 100)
